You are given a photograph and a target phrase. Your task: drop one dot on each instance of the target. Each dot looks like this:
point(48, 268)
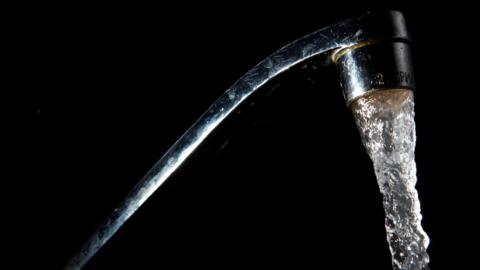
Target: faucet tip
point(373, 66)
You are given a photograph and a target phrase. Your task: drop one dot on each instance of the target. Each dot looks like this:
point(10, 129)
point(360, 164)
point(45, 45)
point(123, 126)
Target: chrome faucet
point(371, 53)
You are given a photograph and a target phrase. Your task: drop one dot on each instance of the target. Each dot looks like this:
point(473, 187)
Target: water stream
point(386, 123)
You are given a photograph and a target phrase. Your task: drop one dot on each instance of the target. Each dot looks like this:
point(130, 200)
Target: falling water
point(386, 123)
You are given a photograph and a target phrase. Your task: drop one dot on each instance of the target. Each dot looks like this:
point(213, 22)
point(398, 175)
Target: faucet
point(371, 53)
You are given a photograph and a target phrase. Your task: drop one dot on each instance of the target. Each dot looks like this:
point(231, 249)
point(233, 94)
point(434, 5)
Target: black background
point(100, 93)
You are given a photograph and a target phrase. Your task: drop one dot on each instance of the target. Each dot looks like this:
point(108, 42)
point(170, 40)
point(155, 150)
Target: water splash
point(386, 123)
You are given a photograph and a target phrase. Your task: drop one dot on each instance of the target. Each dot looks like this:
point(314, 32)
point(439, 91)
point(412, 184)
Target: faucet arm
point(366, 28)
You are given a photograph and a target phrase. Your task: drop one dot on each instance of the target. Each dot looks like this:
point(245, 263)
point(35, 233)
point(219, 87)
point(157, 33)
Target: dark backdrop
point(100, 93)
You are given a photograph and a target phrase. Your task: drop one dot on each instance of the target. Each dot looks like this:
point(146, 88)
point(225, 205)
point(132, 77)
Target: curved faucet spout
point(338, 40)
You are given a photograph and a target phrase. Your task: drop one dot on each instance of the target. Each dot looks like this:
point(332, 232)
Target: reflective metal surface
point(377, 66)
point(384, 26)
